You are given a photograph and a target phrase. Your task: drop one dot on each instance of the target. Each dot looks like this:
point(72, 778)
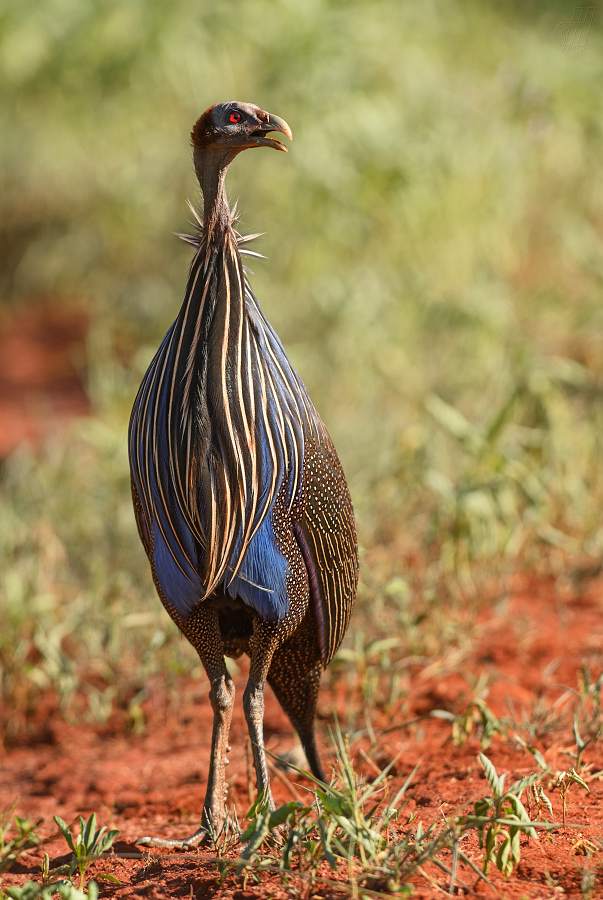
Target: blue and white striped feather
point(217, 430)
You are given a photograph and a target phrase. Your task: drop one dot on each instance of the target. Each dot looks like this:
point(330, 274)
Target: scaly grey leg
point(204, 634)
point(263, 643)
point(253, 704)
point(222, 700)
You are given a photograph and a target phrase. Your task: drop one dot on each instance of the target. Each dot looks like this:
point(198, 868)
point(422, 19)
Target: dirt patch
point(531, 652)
point(42, 371)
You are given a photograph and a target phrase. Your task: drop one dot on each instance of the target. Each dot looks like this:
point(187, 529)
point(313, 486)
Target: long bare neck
point(211, 166)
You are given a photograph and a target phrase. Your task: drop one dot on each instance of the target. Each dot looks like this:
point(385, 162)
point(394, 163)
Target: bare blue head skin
point(223, 131)
point(232, 127)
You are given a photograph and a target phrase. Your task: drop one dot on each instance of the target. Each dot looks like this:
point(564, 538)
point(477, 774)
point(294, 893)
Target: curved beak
point(279, 124)
point(272, 123)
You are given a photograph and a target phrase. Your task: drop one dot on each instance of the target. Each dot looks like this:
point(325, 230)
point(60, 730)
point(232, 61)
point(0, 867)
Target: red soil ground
point(530, 648)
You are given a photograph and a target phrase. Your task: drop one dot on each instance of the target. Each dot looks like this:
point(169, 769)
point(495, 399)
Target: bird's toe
point(189, 843)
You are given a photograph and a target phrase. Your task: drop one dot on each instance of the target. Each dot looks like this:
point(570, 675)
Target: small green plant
point(262, 822)
point(373, 667)
point(581, 744)
point(588, 883)
point(540, 718)
point(539, 800)
point(23, 838)
point(476, 715)
point(590, 695)
point(45, 869)
point(501, 819)
point(564, 781)
point(229, 837)
point(86, 847)
point(586, 850)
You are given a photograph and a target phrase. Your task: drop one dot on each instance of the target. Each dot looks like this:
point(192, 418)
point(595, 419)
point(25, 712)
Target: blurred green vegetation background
point(434, 270)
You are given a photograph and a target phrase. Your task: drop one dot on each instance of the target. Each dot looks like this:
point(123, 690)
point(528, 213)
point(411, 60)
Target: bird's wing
point(326, 534)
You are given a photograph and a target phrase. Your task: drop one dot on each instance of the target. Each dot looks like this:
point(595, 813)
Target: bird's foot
point(189, 843)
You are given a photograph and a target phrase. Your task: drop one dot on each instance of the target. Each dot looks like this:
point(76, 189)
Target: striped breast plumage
point(221, 427)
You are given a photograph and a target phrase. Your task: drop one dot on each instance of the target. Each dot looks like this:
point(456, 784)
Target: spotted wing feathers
point(326, 534)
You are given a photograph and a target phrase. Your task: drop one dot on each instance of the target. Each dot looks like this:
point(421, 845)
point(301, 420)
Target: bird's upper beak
point(259, 137)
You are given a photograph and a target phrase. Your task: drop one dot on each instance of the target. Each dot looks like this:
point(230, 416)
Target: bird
point(239, 496)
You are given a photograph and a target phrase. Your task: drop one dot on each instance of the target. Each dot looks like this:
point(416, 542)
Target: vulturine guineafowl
point(239, 495)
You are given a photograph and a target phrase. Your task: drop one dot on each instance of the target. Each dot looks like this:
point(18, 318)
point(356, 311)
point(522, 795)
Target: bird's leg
point(263, 643)
point(221, 696)
point(203, 630)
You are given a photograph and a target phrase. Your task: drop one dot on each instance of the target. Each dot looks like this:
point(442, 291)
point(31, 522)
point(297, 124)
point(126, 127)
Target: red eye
point(235, 117)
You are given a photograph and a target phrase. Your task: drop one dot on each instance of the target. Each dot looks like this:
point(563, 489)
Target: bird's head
point(232, 127)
